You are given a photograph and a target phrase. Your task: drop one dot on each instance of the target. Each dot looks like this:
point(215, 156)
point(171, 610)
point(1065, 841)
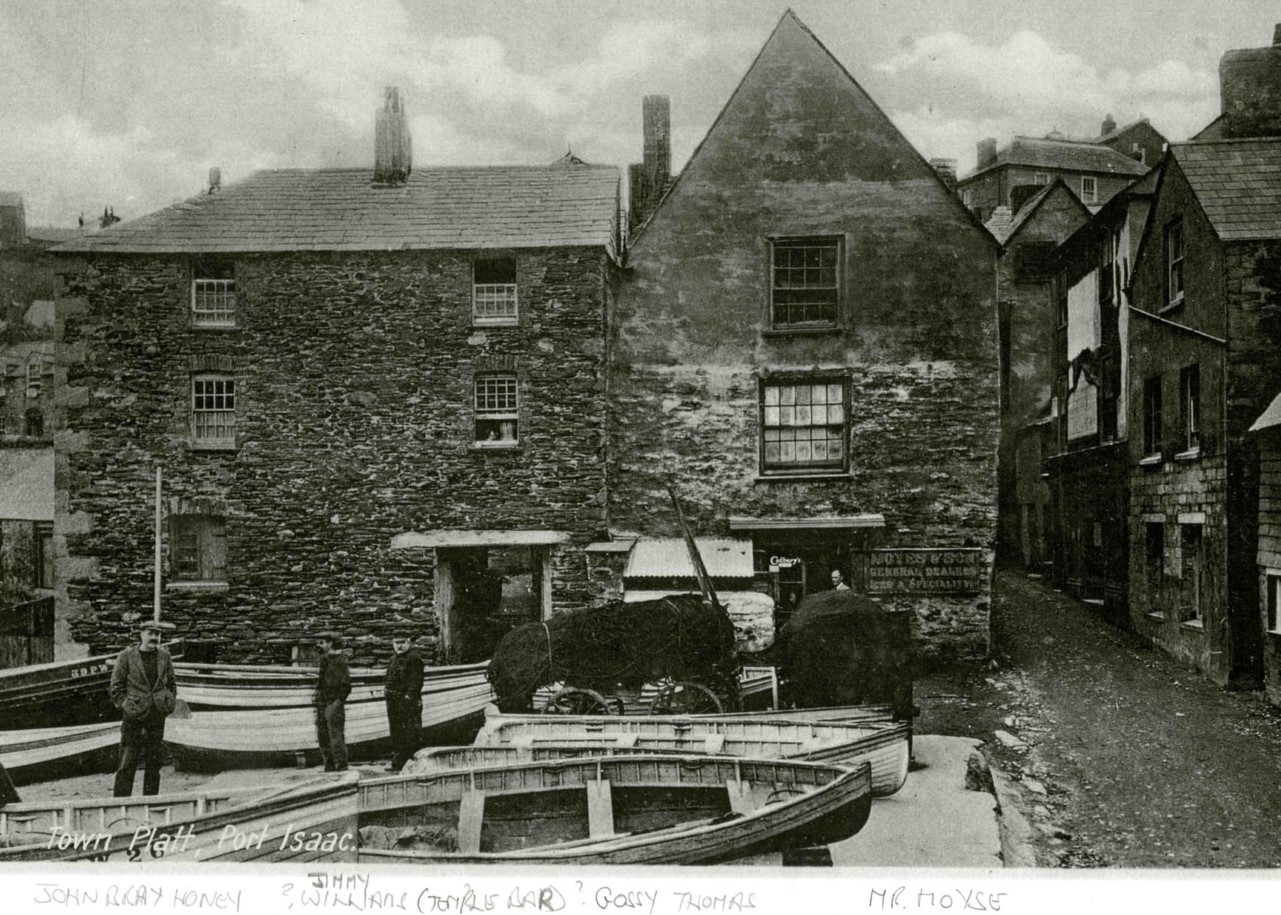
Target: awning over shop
point(806, 524)
point(456, 539)
point(669, 558)
point(26, 484)
point(1270, 417)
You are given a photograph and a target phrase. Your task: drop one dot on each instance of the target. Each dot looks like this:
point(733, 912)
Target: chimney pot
point(215, 179)
point(656, 114)
point(393, 146)
point(986, 152)
point(1276, 34)
point(1109, 125)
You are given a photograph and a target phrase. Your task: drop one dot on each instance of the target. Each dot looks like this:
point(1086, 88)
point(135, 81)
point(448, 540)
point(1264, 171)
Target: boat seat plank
point(742, 799)
point(600, 809)
point(471, 814)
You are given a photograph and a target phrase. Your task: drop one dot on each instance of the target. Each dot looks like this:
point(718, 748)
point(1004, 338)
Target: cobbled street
point(1119, 755)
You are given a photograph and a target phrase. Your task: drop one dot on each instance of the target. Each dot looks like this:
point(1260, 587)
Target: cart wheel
point(574, 701)
point(685, 698)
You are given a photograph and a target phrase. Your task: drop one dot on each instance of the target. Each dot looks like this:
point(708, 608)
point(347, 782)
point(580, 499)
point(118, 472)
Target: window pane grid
point(805, 283)
point(214, 409)
point(496, 395)
point(213, 303)
point(804, 425)
point(494, 300)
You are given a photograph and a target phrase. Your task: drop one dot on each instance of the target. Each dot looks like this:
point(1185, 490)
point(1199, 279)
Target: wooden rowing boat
point(239, 737)
point(61, 693)
point(848, 714)
point(611, 810)
point(882, 744)
point(40, 754)
point(315, 820)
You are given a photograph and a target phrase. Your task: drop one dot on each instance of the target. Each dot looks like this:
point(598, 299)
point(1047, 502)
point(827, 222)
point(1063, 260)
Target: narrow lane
point(1131, 759)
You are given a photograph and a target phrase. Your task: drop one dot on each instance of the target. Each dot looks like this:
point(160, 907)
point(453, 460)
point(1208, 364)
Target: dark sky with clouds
point(128, 103)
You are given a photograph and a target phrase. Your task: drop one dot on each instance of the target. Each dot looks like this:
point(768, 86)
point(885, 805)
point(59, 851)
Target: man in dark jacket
point(404, 694)
point(144, 689)
point(331, 694)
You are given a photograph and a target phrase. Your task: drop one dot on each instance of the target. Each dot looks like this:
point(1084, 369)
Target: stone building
point(1087, 467)
point(1043, 217)
point(1093, 170)
point(376, 399)
point(1205, 363)
point(805, 345)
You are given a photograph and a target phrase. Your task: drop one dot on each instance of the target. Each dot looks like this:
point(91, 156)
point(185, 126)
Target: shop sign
point(782, 562)
point(926, 571)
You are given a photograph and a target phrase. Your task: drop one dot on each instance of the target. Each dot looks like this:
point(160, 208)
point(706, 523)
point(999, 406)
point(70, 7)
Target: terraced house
point(375, 397)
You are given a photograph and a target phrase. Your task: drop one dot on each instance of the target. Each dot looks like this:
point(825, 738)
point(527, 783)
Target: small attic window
point(213, 293)
point(494, 291)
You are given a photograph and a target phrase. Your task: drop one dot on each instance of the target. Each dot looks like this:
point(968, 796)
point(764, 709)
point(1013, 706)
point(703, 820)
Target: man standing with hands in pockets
point(404, 694)
point(144, 689)
point(331, 698)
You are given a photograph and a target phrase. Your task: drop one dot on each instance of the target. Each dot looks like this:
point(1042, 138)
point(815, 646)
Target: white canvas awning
point(460, 538)
point(669, 558)
point(805, 524)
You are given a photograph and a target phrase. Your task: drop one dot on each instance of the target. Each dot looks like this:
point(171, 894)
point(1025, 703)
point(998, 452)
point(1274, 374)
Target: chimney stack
point(215, 180)
point(1250, 90)
point(987, 152)
point(946, 169)
point(393, 146)
point(1109, 125)
point(657, 126)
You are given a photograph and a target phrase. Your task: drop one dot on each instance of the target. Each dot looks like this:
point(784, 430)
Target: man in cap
point(144, 689)
point(331, 694)
point(404, 694)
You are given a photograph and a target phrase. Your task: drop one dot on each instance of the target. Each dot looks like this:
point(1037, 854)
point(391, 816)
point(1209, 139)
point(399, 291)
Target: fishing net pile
point(618, 647)
point(843, 648)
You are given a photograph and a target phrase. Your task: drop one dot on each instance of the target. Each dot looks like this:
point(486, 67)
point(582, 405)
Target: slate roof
point(1112, 135)
point(1237, 183)
point(1065, 155)
point(340, 210)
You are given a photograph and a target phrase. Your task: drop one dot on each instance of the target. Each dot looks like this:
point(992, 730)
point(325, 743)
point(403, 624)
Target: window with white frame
point(494, 291)
point(497, 404)
point(213, 294)
point(1192, 544)
point(1174, 262)
point(805, 283)
point(1041, 178)
point(1272, 583)
point(213, 411)
point(197, 548)
point(1190, 406)
point(804, 425)
point(1089, 189)
point(36, 365)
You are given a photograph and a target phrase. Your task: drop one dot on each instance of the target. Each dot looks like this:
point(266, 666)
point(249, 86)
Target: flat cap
point(158, 625)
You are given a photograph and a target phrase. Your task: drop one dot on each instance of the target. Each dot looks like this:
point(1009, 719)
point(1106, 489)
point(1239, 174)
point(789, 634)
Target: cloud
point(1026, 85)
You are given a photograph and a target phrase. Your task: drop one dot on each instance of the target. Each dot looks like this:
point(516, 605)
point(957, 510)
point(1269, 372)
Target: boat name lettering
point(543, 899)
point(959, 900)
point(237, 839)
point(727, 902)
point(466, 901)
point(149, 841)
point(607, 898)
point(88, 671)
point(65, 840)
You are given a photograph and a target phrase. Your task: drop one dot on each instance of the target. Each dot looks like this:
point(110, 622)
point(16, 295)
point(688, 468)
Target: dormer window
point(213, 294)
point(494, 291)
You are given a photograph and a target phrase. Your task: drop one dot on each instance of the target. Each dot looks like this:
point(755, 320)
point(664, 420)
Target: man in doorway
point(331, 698)
point(404, 694)
point(144, 689)
point(838, 581)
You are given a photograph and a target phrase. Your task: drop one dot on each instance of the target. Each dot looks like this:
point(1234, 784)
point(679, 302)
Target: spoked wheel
point(685, 698)
point(575, 701)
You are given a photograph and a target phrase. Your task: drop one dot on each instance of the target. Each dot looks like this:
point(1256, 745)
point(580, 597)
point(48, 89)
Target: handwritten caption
point(959, 900)
point(320, 891)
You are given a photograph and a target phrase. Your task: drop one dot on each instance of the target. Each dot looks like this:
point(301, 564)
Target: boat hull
point(884, 745)
point(41, 754)
point(60, 694)
point(648, 810)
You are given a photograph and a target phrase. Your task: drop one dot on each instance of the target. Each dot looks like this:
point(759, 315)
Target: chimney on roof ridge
point(946, 169)
point(986, 152)
point(215, 180)
point(656, 113)
point(1109, 125)
point(393, 146)
point(1250, 90)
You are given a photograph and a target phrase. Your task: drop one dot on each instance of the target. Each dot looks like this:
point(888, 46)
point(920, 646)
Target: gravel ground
point(1121, 756)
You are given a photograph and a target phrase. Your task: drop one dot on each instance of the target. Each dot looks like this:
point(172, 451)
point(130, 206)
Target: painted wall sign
point(926, 571)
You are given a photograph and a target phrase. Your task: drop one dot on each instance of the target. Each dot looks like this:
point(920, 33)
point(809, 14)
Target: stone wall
point(354, 424)
point(1269, 557)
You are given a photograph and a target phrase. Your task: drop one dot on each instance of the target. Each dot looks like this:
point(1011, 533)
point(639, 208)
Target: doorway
point(482, 593)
